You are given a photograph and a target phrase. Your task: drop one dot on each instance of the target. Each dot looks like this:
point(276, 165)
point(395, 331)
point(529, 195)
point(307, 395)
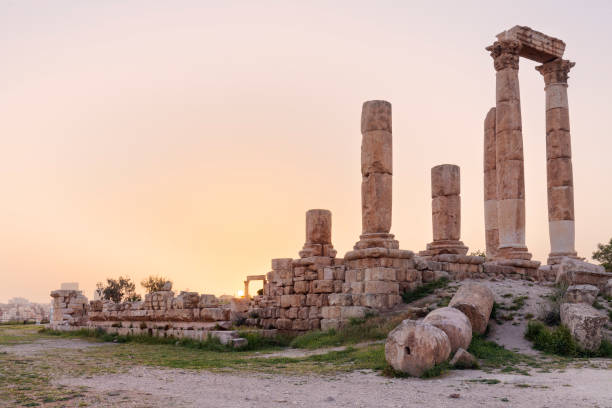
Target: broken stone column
point(454, 323)
point(318, 234)
point(446, 211)
point(490, 186)
point(377, 173)
point(509, 152)
point(414, 347)
point(476, 302)
point(559, 161)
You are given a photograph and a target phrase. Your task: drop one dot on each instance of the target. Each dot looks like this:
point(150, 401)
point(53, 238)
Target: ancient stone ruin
point(319, 290)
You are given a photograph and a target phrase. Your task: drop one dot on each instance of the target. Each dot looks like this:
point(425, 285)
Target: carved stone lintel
point(505, 54)
point(556, 71)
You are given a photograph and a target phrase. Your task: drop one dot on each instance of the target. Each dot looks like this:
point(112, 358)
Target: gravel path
point(574, 387)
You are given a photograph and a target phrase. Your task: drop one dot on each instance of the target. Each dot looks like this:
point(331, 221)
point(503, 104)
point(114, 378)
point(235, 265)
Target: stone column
point(376, 172)
point(559, 161)
point(446, 211)
point(318, 234)
point(490, 186)
point(509, 152)
point(246, 289)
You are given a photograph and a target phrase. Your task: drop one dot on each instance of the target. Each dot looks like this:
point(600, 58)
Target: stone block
point(340, 299)
point(559, 172)
point(293, 300)
point(322, 286)
point(331, 312)
point(581, 294)
point(476, 302)
point(376, 152)
point(329, 324)
point(376, 199)
point(301, 286)
point(353, 312)
point(380, 274)
point(281, 264)
point(381, 287)
point(585, 323)
point(376, 115)
point(445, 180)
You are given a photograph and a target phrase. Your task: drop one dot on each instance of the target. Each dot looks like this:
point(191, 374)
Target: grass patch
point(598, 305)
point(424, 290)
point(492, 355)
point(559, 341)
point(551, 313)
point(371, 328)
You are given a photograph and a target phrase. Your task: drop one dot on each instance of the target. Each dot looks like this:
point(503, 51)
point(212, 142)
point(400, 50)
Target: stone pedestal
point(318, 235)
point(377, 174)
point(509, 152)
point(446, 212)
point(490, 186)
point(559, 161)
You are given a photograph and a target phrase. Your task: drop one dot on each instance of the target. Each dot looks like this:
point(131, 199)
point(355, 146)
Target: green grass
point(371, 328)
point(598, 305)
point(424, 290)
point(493, 356)
point(559, 341)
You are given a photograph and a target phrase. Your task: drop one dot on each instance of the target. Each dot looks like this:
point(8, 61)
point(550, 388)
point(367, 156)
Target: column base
point(555, 258)
point(444, 247)
point(513, 253)
point(376, 240)
point(318, 250)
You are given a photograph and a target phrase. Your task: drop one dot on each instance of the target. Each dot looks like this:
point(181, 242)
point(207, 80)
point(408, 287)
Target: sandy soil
point(574, 387)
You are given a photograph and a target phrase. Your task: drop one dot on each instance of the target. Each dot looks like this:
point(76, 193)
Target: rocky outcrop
point(575, 272)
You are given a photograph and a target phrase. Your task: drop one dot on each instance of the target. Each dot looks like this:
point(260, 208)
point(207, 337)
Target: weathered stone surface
point(375, 115)
point(581, 294)
point(376, 152)
point(584, 322)
point(318, 226)
point(376, 203)
point(462, 359)
point(446, 217)
point(445, 180)
point(476, 302)
point(414, 347)
point(534, 45)
point(454, 323)
point(607, 290)
point(575, 272)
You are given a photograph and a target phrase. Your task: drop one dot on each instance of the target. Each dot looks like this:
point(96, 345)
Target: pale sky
point(188, 138)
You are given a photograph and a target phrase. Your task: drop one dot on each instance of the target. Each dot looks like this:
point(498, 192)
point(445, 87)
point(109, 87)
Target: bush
point(604, 255)
point(559, 341)
point(154, 283)
point(118, 290)
point(551, 313)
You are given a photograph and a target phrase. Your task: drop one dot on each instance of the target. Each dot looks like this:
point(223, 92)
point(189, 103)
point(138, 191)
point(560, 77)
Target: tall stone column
point(445, 211)
point(559, 161)
point(377, 173)
point(318, 234)
point(490, 186)
point(509, 152)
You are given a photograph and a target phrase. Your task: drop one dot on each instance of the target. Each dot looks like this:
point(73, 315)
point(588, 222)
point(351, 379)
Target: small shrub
point(551, 313)
point(436, 371)
point(559, 341)
point(260, 292)
point(598, 305)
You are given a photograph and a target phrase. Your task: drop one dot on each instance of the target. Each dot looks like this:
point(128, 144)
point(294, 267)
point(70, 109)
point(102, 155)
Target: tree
point(154, 283)
point(604, 255)
point(118, 289)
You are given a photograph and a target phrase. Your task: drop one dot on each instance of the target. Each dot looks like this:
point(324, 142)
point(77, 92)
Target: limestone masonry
point(319, 290)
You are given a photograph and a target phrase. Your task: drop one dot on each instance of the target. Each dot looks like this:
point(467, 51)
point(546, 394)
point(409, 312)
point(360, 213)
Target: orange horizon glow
point(188, 139)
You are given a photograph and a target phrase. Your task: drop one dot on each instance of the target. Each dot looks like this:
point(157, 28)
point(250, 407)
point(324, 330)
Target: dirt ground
point(69, 372)
point(572, 388)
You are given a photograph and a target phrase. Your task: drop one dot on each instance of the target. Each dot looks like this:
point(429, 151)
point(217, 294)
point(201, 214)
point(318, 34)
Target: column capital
point(505, 54)
point(555, 71)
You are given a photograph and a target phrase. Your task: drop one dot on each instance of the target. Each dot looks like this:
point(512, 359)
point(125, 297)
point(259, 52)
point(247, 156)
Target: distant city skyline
point(188, 139)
